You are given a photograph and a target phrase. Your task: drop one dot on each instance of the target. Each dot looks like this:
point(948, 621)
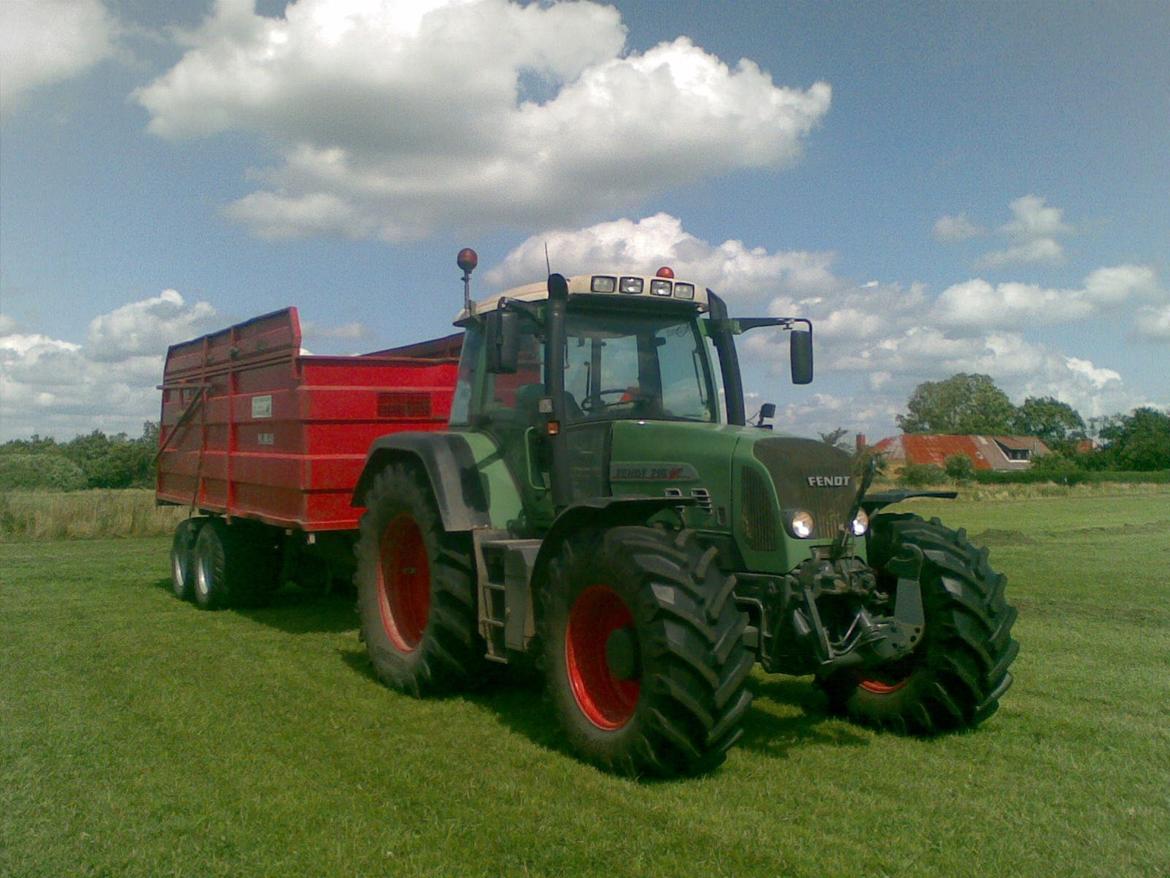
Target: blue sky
point(940, 187)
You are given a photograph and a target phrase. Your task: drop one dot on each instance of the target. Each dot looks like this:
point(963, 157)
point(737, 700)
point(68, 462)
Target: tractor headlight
point(801, 525)
point(860, 524)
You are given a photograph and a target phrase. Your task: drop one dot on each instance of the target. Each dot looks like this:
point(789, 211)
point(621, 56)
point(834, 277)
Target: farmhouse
point(985, 452)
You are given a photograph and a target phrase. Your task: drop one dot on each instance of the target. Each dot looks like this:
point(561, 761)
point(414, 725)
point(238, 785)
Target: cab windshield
point(634, 365)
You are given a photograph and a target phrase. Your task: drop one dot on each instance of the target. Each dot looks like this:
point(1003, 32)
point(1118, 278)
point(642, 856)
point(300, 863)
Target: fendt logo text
point(828, 481)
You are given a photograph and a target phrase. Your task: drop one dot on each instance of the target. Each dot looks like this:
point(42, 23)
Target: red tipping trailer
point(252, 429)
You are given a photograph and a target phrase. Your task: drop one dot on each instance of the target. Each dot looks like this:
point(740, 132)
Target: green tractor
point(599, 504)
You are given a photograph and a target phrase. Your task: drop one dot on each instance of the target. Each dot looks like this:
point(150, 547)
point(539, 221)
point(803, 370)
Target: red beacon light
point(665, 271)
point(467, 259)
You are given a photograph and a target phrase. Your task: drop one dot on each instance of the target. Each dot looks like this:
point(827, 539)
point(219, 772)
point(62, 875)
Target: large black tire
point(957, 674)
point(644, 651)
point(232, 566)
point(183, 557)
point(416, 591)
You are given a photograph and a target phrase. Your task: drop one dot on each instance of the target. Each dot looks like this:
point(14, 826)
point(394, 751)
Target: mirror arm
point(527, 309)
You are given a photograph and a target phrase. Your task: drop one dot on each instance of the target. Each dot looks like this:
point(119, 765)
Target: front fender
point(599, 512)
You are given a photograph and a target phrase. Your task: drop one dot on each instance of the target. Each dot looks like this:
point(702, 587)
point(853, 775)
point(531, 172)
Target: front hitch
point(870, 640)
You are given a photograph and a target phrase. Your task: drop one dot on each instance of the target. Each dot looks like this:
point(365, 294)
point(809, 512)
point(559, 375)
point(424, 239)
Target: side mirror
point(502, 338)
point(800, 350)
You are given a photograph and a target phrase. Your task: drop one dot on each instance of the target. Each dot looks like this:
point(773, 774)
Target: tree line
point(972, 404)
point(94, 460)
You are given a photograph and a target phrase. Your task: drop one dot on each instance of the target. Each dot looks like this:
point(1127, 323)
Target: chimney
point(860, 442)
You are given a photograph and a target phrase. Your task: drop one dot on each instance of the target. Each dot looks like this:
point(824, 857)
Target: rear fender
point(451, 469)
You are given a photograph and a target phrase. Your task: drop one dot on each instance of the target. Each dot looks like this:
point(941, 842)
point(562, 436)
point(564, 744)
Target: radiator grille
point(757, 517)
point(810, 475)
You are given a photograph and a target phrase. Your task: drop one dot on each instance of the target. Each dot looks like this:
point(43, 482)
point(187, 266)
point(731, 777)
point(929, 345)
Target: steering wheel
point(587, 404)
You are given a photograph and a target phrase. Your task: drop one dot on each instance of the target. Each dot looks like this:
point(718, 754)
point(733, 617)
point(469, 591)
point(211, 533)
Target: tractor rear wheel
point(956, 675)
point(416, 592)
point(644, 651)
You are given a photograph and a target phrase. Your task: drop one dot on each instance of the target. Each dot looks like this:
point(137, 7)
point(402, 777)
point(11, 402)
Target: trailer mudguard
point(450, 466)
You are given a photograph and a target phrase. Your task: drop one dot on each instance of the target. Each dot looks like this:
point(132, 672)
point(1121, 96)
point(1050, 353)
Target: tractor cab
point(630, 348)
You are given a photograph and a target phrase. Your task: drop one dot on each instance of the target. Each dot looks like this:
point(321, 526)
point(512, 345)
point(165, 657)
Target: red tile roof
point(985, 452)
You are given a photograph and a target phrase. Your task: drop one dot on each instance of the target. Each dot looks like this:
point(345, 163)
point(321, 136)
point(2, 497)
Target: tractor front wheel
point(644, 651)
point(956, 675)
point(416, 593)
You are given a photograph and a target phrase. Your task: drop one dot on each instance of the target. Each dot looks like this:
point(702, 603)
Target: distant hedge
point(1072, 476)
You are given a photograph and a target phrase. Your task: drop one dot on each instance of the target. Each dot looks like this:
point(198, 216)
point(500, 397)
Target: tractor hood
point(748, 483)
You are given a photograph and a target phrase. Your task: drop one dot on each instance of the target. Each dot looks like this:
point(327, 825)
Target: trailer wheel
point(416, 592)
point(183, 557)
point(644, 652)
point(229, 567)
point(956, 676)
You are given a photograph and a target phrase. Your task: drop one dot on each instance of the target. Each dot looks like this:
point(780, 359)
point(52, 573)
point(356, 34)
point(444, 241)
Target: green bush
point(48, 472)
point(959, 467)
point(917, 475)
point(1055, 467)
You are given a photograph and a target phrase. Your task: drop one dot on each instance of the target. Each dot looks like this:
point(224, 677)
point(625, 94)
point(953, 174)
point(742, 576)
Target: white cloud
point(146, 327)
point(732, 269)
point(1154, 323)
point(1033, 231)
point(385, 129)
point(46, 41)
point(1044, 251)
point(1033, 219)
point(950, 229)
point(1112, 286)
point(979, 306)
point(57, 387)
point(345, 332)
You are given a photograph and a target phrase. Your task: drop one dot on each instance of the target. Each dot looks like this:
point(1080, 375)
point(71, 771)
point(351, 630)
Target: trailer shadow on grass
point(295, 610)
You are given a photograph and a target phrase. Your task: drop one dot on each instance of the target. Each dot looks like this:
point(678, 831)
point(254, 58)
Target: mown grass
point(139, 736)
point(48, 515)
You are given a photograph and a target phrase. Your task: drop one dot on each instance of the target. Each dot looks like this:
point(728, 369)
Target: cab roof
point(600, 285)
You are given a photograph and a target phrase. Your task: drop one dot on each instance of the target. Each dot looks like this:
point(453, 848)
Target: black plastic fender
point(871, 503)
point(450, 467)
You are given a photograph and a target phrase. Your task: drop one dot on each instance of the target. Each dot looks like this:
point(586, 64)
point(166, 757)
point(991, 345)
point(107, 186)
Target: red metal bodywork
point(252, 428)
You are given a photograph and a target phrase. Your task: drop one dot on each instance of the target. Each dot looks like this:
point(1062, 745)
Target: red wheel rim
point(881, 687)
point(404, 583)
point(605, 700)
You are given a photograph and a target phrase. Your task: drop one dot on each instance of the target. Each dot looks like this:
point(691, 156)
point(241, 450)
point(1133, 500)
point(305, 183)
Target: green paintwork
point(505, 506)
point(716, 454)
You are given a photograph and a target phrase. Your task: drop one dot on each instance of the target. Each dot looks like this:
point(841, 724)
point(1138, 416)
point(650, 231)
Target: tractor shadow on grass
point(296, 610)
point(515, 697)
point(772, 729)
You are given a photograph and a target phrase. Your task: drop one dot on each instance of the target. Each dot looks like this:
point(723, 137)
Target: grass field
point(140, 737)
